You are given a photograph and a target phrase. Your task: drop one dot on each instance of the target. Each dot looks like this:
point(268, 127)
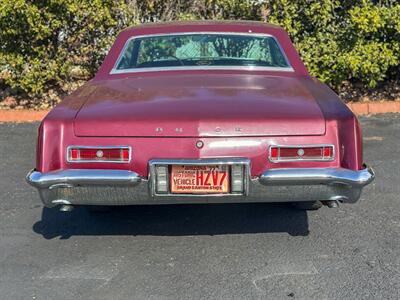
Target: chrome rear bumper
point(120, 187)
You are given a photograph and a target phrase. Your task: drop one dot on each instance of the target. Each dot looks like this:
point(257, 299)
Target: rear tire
point(307, 205)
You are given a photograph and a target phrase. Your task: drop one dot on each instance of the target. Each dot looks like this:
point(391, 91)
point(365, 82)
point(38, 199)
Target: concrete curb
point(22, 115)
point(371, 108)
point(363, 108)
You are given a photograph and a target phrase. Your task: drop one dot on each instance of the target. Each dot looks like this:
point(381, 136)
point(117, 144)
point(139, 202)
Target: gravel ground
point(244, 251)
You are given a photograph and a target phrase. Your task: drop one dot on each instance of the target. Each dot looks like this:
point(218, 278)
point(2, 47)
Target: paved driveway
point(216, 251)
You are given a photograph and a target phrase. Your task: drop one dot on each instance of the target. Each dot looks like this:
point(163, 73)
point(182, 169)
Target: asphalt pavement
point(229, 251)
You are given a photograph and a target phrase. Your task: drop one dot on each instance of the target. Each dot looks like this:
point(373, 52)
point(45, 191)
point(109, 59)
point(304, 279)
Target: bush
point(52, 44)
point(339, 41)
point(49, 47)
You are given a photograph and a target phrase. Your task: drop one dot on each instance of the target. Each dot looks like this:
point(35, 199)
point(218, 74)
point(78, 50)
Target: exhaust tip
point(332, 203)
point(66, 208)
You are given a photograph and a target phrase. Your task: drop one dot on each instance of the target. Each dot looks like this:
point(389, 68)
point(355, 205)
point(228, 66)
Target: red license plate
point(200, 179)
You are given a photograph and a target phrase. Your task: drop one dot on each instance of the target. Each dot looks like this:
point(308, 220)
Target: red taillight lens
point(125, 154)
point(73, 154)
point(106, 154)
point(299, 153)
point(274, 153)
point(328, 152)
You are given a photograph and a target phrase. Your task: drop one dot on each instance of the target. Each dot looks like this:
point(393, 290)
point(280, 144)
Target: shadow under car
point(174, 220)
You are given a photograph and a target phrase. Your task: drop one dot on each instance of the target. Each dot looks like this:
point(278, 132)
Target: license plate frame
point(200, 179)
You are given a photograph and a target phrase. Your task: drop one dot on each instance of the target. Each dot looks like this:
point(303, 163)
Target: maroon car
point(200, 112)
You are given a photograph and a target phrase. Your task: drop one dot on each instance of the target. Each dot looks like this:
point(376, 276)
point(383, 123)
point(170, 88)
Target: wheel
point(307, 205)
point(98, 208)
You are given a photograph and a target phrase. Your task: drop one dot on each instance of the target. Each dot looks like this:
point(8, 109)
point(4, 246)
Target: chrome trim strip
point(301, 159)
point(183, 68)
point(99, 161)
point(199, 162)
point(314, 176)
point(114, 70)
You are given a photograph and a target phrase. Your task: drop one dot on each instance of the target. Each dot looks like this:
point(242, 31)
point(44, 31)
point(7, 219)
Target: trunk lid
point(200, 105)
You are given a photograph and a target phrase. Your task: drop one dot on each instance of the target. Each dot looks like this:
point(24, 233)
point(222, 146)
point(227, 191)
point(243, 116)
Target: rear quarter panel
point(341, 119)
point(57, 127)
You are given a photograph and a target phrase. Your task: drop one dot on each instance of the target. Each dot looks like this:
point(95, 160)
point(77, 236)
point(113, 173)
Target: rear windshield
point(200, 50)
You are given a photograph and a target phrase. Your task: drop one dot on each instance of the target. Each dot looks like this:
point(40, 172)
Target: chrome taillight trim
point(279, 160)
point(99, 161)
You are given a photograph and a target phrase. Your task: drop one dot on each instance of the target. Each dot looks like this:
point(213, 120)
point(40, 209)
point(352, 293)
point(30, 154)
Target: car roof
point(220, 25)
point(240, 27)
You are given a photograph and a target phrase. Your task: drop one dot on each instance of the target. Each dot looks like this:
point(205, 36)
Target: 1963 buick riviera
point(201, 112)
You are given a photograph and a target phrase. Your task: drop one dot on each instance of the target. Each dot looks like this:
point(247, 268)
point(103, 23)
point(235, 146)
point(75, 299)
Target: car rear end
point(106, 170)
point(200, 113)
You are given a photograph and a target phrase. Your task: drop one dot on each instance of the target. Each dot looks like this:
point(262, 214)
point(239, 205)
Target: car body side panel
point(340, 118)
point(57, 127)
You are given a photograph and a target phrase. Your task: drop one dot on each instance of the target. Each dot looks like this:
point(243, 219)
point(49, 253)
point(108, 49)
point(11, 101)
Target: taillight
point(99, 154)
point(301, 153)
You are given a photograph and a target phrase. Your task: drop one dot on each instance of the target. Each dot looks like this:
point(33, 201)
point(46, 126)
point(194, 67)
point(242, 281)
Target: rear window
point(201, 50)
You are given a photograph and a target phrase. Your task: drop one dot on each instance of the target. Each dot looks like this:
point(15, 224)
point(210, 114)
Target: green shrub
point(48, 46)
point(356, 41)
